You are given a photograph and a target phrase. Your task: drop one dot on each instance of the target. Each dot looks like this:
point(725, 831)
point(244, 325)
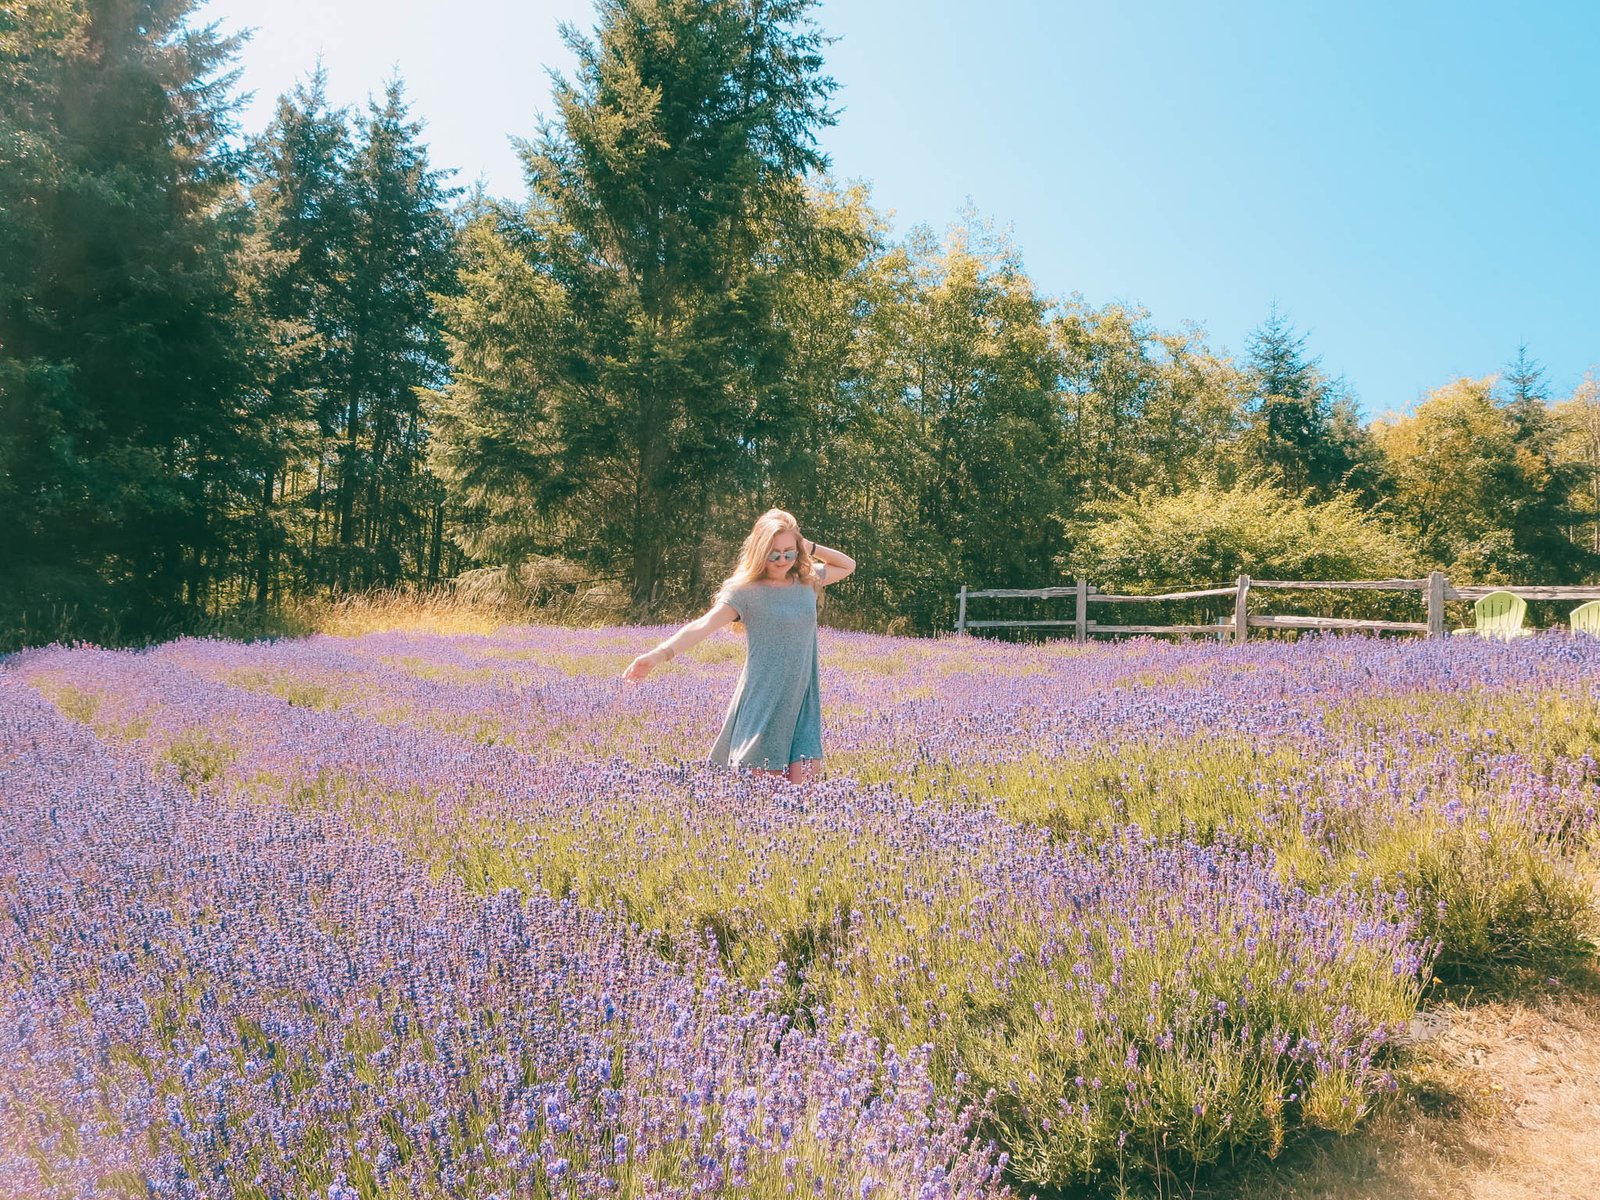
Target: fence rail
point(1436, 589)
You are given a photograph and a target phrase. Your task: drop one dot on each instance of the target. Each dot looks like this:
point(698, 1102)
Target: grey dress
point(775, 716)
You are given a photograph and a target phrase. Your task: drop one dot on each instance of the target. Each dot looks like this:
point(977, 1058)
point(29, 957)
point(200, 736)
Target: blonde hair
point(752, 564)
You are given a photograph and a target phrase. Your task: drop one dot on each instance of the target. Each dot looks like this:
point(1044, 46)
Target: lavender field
point(409, 915)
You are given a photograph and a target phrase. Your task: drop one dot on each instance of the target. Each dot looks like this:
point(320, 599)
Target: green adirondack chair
point(1499, 615)
point(1586, 618)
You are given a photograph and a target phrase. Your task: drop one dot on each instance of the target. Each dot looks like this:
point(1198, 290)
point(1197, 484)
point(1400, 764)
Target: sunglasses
point(782, 555)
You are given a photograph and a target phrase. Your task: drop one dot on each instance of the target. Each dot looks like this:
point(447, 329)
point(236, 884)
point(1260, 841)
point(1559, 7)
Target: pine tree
point(377, 501)
point(661, 197)
point(119, 363)
point(354, 240)
point(1292, 405)
point(1526, 389)
point(295, 278)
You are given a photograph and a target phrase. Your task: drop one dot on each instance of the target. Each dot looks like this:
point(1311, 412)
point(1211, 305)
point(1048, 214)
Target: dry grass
point(438, 610)
point(432, 612)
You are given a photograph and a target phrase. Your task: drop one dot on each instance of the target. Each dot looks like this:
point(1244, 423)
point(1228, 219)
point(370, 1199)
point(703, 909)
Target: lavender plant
point(1221, 1002)
point(202, 997)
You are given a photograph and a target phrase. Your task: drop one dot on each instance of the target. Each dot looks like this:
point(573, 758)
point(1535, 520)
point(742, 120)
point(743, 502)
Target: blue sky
point(1417, 185)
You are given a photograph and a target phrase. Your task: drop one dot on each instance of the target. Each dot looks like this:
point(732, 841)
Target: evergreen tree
point(1538, 501)
point(353, 242)
point(119, 363)
point(1527, 391)
point(377, 505)
point(1293, 434)
point(295, 277)
point(661, 200)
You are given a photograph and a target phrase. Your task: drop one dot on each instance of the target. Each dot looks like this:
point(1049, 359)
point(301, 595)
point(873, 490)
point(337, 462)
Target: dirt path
point(1503, 1103)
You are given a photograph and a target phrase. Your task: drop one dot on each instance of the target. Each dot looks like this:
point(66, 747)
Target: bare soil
point(1500, 1101)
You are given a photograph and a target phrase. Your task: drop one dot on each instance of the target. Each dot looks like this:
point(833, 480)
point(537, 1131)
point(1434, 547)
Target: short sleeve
point(734, 598)
point(821, 568)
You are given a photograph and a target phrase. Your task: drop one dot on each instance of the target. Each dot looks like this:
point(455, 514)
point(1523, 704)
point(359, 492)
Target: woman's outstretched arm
point(839, 564)
point(696, 631)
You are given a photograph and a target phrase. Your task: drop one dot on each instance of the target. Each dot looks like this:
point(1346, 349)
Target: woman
point(774, 722)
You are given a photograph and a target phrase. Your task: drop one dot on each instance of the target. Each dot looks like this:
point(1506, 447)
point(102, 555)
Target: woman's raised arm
point(838, 563)
point(696, 631)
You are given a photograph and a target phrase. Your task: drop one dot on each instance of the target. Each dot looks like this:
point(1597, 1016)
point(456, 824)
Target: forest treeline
point(235, 371)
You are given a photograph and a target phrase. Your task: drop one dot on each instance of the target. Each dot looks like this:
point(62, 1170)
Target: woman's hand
point(691, 635)
point(838, 565)
point(642, 666)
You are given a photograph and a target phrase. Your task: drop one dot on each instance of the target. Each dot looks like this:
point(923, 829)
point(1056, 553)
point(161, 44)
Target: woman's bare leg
point(805, 770)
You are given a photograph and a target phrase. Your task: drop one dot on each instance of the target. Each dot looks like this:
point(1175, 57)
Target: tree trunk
point(347, 481)
point(697, 545)
point(264, 544)
point(316, 523)
point(646, 561)
point(648, 504)
point(436, 542)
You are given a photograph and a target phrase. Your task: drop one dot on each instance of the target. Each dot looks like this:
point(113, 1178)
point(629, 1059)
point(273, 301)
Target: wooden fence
point(1435, 591)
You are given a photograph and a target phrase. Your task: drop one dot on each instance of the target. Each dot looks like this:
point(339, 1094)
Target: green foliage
point(119, 362)
point(664, 220)
point(1578, 423)
point(229, 380)
point(1210, 534)
point(291, 277)
point(1539, 509)
point(1301, 429)
point(964, 378)
point(490, 439)
point(355, 244)
point(398, 262)
point(1484, 484)
point(1144, 408)
point(204, 390)
point(1494, 899)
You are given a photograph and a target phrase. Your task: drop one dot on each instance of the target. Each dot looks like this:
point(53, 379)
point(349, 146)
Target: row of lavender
point(1132, 1002)
point(205, 998)
point(900, 701)
point(1463, 772)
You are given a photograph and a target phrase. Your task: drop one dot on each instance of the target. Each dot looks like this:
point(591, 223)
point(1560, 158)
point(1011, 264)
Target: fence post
point(1436, 585)
point(1241, 619)
point(961, 611)
point(1081, 633)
